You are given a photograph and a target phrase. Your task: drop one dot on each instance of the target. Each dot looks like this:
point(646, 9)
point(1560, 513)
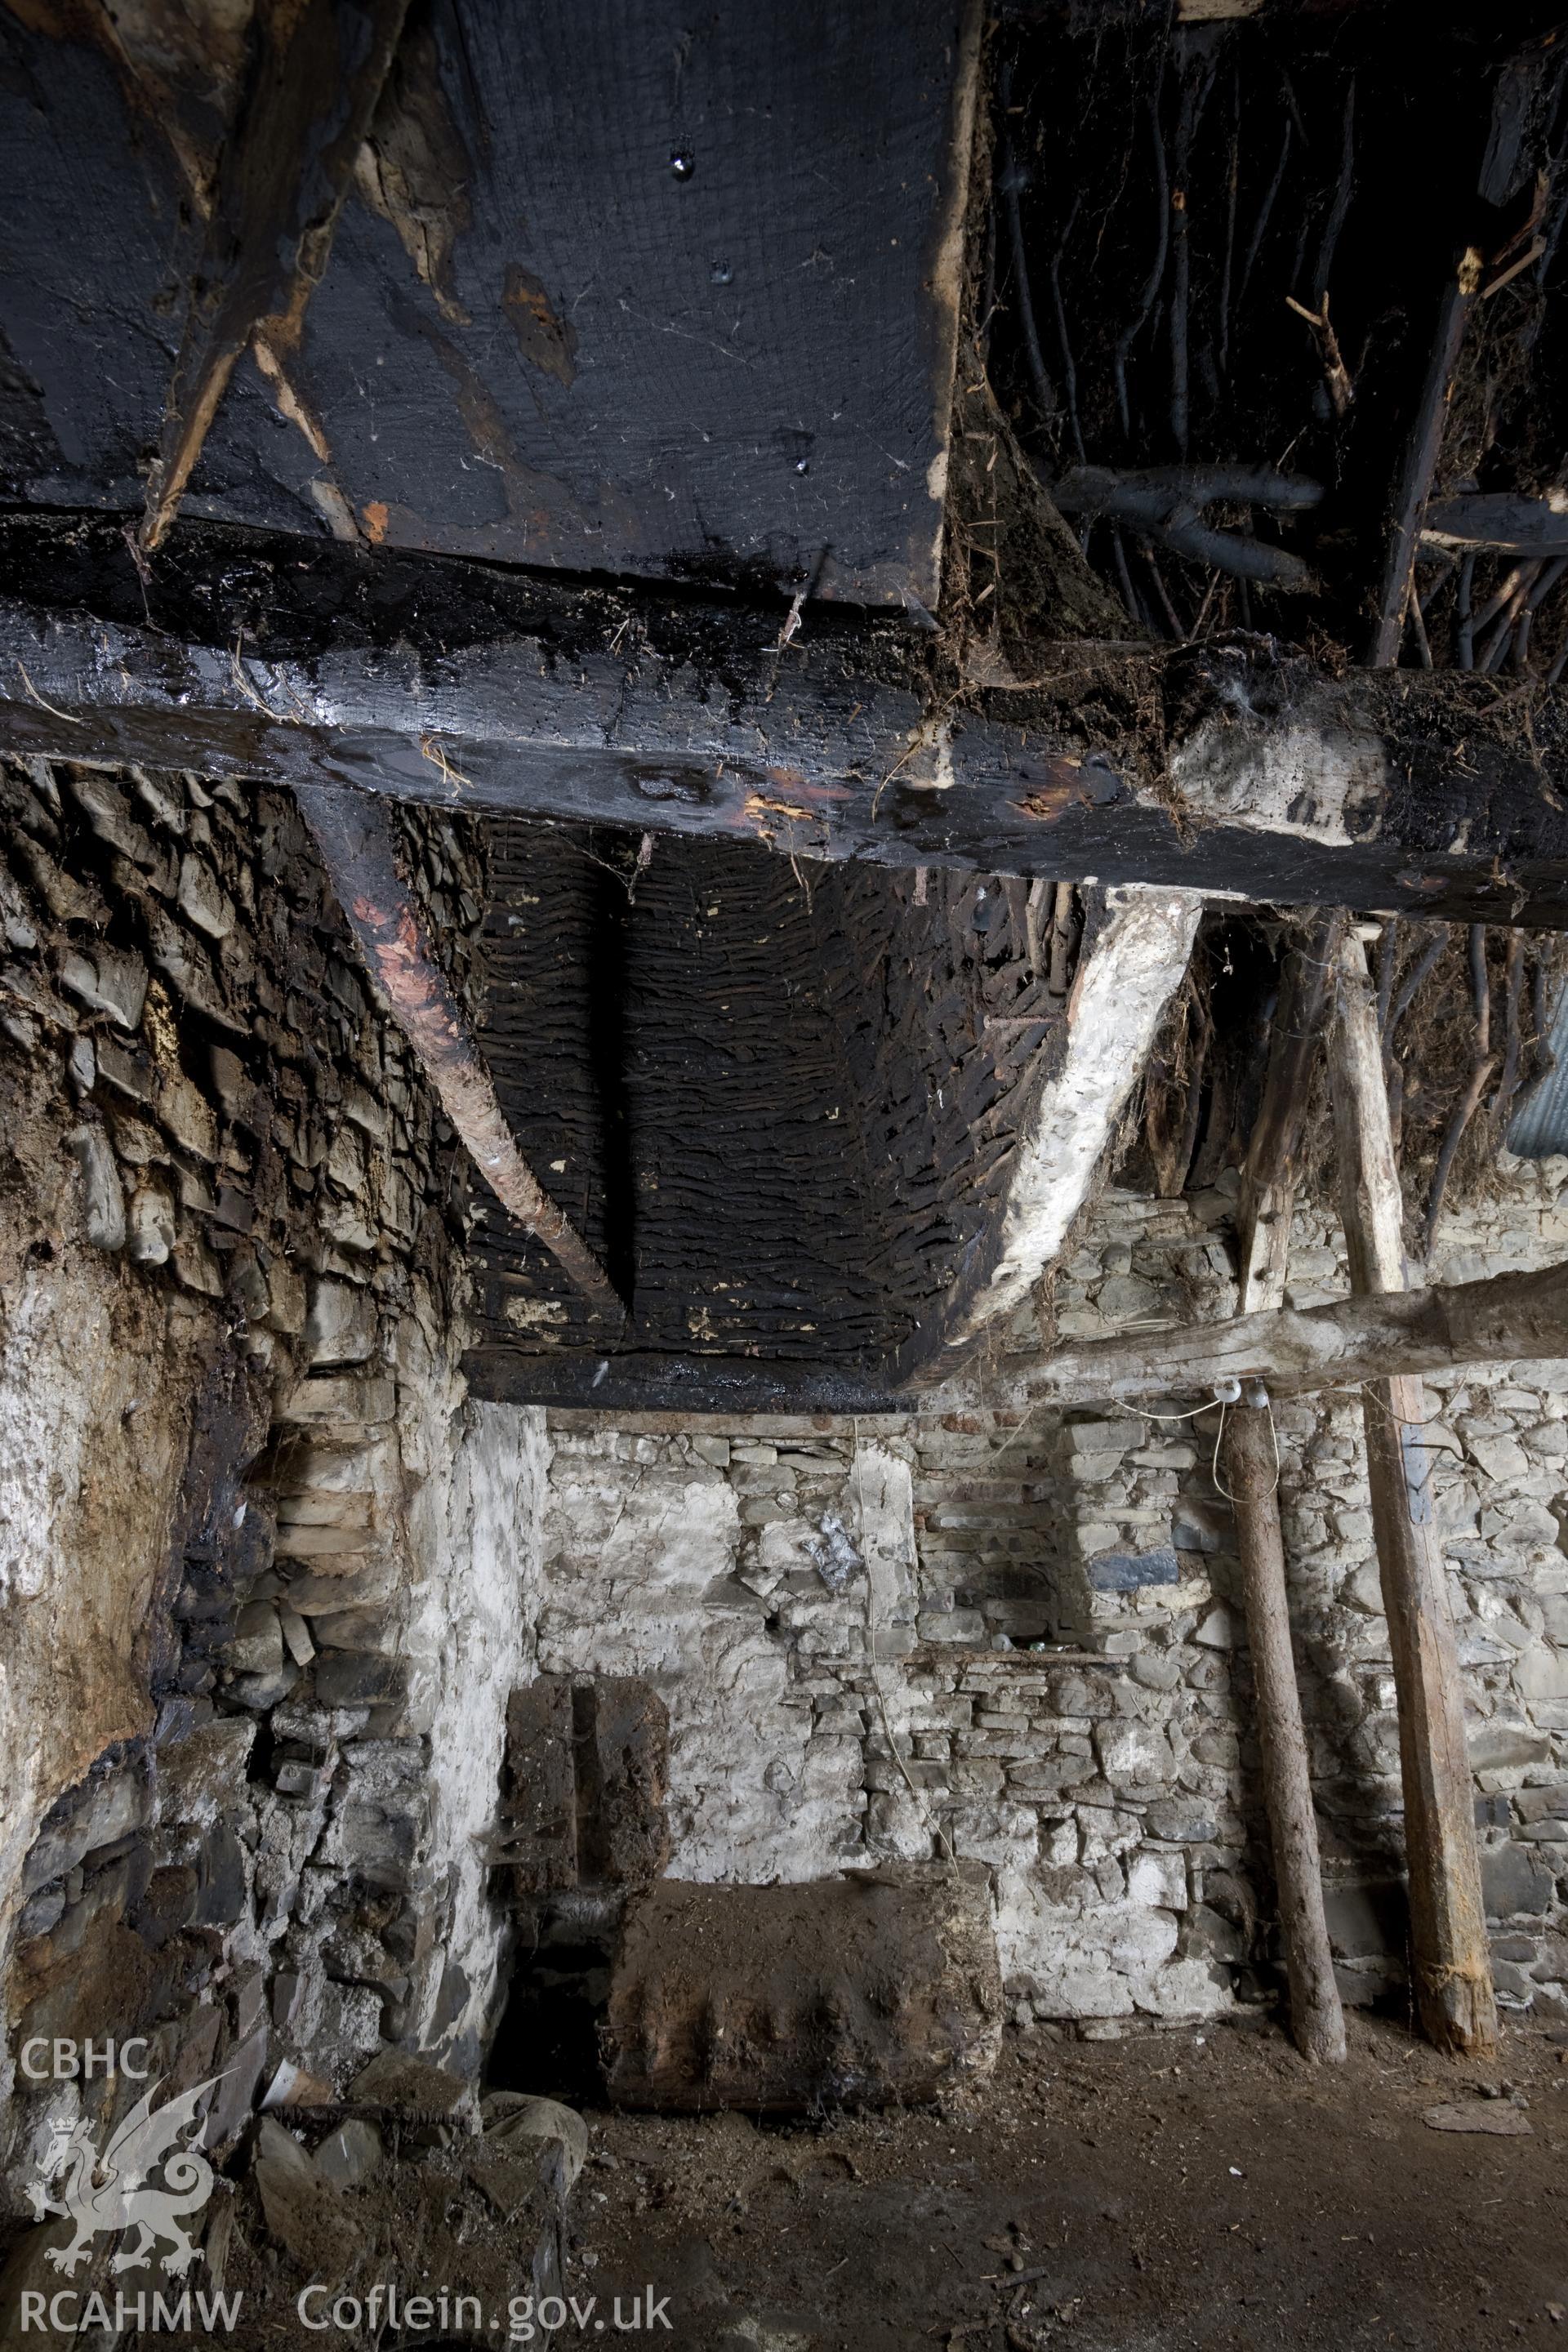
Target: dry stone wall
point(1498, 1448)
point(816, 1604)
point(1019, 1639)
point(264, 1574)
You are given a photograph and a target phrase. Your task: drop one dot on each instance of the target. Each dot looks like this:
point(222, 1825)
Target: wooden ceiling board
point(626, 288)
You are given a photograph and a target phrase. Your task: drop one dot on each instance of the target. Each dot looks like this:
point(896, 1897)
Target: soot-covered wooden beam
point(618, 284)
point(1230, 767)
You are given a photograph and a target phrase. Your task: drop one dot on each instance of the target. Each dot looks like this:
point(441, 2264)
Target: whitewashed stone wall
point(475, 1585)
point(815, 1728)
point(398, 1617)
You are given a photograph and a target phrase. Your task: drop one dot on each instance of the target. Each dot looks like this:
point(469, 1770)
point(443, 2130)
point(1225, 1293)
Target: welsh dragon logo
point(115, 2190)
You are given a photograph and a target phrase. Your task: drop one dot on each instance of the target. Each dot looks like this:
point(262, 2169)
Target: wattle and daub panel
point(779, 1102)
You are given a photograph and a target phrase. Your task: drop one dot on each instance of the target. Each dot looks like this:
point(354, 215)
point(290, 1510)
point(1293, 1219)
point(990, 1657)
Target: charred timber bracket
point(354, 833)
point(316, 73)
point(1227, 767)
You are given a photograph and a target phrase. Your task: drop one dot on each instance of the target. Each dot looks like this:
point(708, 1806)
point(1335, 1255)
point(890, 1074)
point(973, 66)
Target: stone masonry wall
point(264, 1574)
point(1020, 1638)
point(267, 1578)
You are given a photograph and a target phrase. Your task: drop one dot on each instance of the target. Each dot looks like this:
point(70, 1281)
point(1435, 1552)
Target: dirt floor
point(1164, 2191)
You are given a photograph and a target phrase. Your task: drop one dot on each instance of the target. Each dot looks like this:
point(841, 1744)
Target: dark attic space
point(784, 1108)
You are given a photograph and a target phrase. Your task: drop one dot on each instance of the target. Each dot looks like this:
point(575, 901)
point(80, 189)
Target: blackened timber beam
point(1497, 523)
point(316, 73)
point(1516, 160)
point(1229, 767)
point(648, 1381)
point(1295, 1351)
point(1419, 464)
point(354, 833)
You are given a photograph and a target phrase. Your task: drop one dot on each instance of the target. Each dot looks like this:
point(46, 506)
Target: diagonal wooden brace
point(354, 833)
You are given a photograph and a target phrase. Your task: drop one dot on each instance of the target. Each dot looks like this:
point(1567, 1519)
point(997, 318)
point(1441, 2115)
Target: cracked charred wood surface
point(572, 235)
point(1507, 1318)
point(1252, 1473)
point(282, 173)
point(354, 837)
point(1452, 1959)
point(1221, 766)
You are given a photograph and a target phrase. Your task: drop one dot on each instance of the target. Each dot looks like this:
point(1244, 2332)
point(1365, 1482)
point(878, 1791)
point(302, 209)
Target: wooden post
point(1252, 1474)
point(1421, 458)
point(1452, 1962)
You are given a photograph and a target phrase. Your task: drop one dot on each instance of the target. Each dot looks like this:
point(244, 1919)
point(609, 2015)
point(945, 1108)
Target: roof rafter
point(354, 833)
